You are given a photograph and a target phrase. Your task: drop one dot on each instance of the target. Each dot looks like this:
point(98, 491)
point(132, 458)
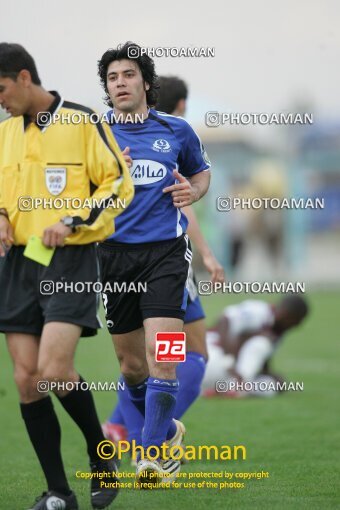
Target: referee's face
point(13, 96)
point(126, 86)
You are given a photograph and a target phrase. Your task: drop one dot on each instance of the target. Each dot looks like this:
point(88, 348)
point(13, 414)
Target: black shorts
point(29, 299)
point(144, 280)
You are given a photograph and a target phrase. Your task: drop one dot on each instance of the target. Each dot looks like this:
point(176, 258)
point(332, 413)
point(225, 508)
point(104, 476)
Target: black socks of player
point(44, 431)
point(79, 404)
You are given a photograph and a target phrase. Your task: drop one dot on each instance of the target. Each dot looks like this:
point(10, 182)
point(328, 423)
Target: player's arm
point(6, 231)
point(193, 174)
point(108, 171)
point(252, 357)
point(210, 262)
point(222, 328)
point(188, 190)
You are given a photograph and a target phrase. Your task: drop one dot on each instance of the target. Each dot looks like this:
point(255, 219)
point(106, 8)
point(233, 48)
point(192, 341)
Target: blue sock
point(137, 393)
point(190, 375)
point(116, 416)
point(133, 419)
point(160, 404)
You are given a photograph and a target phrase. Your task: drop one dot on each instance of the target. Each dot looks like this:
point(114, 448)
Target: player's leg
point(22, 321)
point(114, 428)
point(162, 385)
point(130, 351)
point(190, 373)
point(218, 369)
point(56, 364)
point(67, 316)
point(163, 309)
point(37, 410)
point(160, 404)
point(125, 323)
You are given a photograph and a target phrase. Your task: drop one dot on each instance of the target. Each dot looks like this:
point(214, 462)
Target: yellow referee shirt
point(50, 170)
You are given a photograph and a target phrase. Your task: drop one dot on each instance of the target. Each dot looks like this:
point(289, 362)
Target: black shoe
point(53, 500)
point(101, 497)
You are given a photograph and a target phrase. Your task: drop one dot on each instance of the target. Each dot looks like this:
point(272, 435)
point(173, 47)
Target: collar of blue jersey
point(112, 118)
point(44, 120)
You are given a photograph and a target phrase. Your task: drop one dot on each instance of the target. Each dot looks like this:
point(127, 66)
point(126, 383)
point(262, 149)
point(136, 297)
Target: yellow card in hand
point(36, 251)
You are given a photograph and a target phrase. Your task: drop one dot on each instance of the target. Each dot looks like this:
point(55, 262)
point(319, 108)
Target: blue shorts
point(194, 311)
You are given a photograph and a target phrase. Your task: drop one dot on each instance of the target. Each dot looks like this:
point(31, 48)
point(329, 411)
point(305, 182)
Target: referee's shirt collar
point(44, 118)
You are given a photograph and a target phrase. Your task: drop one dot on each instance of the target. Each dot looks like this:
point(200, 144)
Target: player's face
point(13, 96)
point(126, 86)
point(287, 321)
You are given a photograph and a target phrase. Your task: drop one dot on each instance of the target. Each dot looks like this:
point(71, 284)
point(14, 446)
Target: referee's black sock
point(44, 431)
point(80, 406)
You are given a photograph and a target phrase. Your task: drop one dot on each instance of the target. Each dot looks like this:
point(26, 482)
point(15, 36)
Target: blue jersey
point(159, 145)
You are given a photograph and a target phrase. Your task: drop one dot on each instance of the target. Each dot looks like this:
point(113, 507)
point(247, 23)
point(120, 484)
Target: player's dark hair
point(295, 305)
point(171, 90)
point(13, 59)
point(130, 51)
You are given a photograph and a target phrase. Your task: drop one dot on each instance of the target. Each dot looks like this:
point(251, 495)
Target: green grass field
point(295, 437)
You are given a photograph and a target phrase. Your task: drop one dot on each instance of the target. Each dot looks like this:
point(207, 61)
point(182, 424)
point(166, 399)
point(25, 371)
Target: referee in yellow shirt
point(59, 154)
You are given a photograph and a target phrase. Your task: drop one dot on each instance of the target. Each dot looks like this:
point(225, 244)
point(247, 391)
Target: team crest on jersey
point(55, 179)
point(161, 145)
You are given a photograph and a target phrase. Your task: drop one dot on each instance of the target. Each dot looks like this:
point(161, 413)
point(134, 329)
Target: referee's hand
point(183, 193)
point(55, 236)
point(6, 235)
point(127, 157)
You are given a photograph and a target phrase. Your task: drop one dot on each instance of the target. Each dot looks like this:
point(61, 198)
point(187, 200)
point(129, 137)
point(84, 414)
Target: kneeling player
point(244, 340)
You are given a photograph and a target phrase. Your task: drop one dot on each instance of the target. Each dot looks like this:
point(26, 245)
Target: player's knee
point(163, 370)
point(133, 369)
point(53, 372)
point(26, 382)
point(134, 376)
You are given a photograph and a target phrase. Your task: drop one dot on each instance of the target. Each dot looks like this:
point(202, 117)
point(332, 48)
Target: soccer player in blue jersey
point(170, 171)
point(125, 422)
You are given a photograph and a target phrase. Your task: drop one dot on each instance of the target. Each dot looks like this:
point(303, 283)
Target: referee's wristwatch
point(69, 221)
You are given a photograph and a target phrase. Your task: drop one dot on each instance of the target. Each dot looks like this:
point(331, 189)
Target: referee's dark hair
point(171, 90)
point(13, 59)
point(130, 51)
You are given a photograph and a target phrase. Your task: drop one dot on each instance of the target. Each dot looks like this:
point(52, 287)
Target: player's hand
point(6, 235)
point(55, 236)
point(214, 267)
point(127, 157)
point(183, 193)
